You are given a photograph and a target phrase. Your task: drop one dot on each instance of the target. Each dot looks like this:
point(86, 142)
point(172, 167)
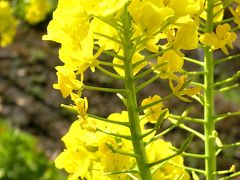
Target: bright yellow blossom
point(173, 168)
point(236, 14)
point(174, 63)
point(37, 10)
point(185, 7)
point(218, 11)
point(97, 26)
point(93, 146)
point(75, 161)
point(79, 136)
point(88, 155)
point(219, 40)
point(186, 37)
point(81, 104)
point(151, 17)
point(67, 81)
point(153, 113)
point(180, 91)
point(101, 7)
point(7, 24)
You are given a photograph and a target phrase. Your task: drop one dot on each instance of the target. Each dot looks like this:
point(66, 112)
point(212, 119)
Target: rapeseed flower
point(173, 63)
point(37, 10)
point(67, 81)
point(8, 24)
point(153, 113)
point(236, 14)
point(222, 38)
point(171, 169)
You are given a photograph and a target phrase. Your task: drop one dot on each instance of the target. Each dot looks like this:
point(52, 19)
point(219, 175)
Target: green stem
point(146, 83)
point(190, 119)
point(108, 120)
point(194, 61)
point(110, 64)
point(141, 108)
point(228, 58)
point(109, 73)
point(198, 134)
point(114, 134)
point(228, 80)
point(134, 121)
point(231, 176)
point(109, 53)
point(230, 145)
point(227, 88)
point(200, 156)
point(131, 99)
point(94, 88)
point(223, 116)
point(209, 126)
point(108, 37)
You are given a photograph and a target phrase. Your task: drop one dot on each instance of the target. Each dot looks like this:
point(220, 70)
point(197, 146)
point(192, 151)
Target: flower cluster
point(37, 10)
point(8, 24)
point(92, 154)
point(220, 39)
point(85, 29)
point(127, 31)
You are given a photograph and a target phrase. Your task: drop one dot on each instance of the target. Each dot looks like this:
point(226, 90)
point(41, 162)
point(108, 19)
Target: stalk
point(131, 99)
point(209, 126)
point(134, 122)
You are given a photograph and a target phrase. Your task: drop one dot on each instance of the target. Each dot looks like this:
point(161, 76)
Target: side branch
point(109, 120)
point(104, 89)
point(217, 61)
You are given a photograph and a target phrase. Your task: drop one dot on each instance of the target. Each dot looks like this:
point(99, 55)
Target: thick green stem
point(131, 99)
point(134, 121)
point(209, 126)
point(210, 162)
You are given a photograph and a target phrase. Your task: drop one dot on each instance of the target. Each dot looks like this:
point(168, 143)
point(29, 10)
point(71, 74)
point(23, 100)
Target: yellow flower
point(7, 24)
point(217, 9)
point(122, 117)
point(236, 14)
point(79, 136)
point(186, 37)
point(173, 63)
point(81, 104)
point(81, 57)
point(75, 161)
point(180, 91)
point(67, 27)
point(71, 27)
point(97, 26)
point(153, 113)
point(219, 40)
point(37, 10)
point(67, 81)
point(185, 7)
point(152, 15)
point(101, 7)
point(173, 168)
point(109, 160)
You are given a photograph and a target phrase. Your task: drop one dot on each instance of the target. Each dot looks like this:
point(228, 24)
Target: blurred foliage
point(20, 7)
point(21, 160)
